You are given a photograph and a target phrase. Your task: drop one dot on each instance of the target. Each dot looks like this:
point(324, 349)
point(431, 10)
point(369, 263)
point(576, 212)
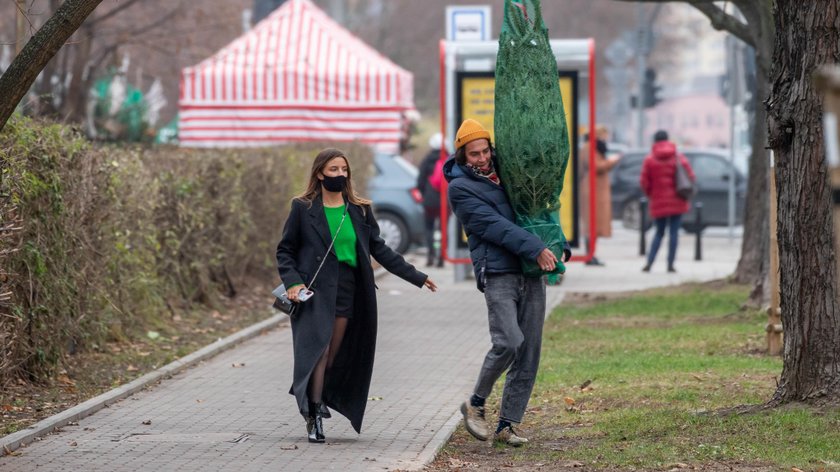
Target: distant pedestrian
point(604, 163)
point(332, 232)
point(515, 303)
point(658, 181)
point(429, 181)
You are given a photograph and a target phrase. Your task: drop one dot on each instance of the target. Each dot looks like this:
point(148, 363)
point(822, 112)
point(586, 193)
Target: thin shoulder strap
point(324, 259)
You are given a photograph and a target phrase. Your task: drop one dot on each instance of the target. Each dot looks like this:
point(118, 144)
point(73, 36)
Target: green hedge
point(97, 240)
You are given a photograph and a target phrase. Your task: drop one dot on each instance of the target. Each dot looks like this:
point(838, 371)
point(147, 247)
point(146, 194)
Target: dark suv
point(397, 202)
point(712, 168)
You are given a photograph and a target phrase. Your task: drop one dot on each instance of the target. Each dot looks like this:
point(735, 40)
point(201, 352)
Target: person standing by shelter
point(515, 303)
point(428, 183)
point(658, 182)
point(604, 163)
point(327, 243)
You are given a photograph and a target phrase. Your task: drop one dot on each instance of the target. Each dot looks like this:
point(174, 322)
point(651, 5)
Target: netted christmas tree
point(530, 127)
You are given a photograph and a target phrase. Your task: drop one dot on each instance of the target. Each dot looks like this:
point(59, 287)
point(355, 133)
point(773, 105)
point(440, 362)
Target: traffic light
point(650, 90)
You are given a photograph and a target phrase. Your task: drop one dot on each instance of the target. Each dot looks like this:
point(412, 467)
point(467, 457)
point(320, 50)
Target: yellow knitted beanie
point(470, 130)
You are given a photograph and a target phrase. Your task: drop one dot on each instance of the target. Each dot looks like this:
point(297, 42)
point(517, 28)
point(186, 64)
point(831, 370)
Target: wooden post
point(774, 312)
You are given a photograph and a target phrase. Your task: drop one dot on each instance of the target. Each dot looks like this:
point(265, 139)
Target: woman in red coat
point(658, 181)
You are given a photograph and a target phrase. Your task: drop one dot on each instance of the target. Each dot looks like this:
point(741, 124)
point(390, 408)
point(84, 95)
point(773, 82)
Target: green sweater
point(345, 243)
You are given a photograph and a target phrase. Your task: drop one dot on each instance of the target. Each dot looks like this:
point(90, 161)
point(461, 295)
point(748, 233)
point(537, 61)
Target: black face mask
point(335, 184)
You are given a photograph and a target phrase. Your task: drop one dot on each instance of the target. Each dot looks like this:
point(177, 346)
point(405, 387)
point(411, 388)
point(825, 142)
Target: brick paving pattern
point(233, 412)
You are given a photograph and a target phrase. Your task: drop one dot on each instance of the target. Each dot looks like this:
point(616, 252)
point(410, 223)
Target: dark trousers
point(516, 313)
point(673, 224)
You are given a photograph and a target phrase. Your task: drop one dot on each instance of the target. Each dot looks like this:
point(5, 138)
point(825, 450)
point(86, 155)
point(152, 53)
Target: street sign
point(468, 23)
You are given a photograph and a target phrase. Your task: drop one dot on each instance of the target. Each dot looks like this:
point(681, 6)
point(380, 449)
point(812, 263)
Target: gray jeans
point(516, 312)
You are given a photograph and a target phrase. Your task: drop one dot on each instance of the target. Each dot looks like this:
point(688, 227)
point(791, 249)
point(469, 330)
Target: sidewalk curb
point(14, 441)
point(430, 451)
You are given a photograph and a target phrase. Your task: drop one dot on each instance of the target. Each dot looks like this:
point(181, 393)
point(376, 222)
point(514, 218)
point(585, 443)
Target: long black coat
point(306, 237)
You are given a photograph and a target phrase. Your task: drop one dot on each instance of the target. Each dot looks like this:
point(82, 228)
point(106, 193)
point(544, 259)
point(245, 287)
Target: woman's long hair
point(313, 190)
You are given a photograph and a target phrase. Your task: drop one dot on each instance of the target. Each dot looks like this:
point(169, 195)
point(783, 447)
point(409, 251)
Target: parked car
point(397, 202)
point(712, 168)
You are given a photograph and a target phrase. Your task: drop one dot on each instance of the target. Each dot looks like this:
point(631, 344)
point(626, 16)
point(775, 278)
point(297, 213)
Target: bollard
point(642, 223)
point(698, 226)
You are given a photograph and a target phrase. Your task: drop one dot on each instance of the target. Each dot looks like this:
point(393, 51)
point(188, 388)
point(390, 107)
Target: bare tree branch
point(726, 22)
point(719, 18)
point(113, 12)
point(24, 69)
point(160, 21)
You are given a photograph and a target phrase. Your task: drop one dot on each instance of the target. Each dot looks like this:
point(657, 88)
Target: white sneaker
point(509, 437)
point(474, 421)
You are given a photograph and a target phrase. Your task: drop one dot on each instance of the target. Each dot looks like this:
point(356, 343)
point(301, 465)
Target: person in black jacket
point(334, 330)
point(515, 303)
point(426, 180)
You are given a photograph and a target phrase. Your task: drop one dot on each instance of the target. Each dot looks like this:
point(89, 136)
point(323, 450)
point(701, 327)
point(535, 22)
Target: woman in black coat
point(334, 330)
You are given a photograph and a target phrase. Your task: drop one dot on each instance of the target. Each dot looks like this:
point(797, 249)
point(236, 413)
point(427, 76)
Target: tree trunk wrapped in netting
point(530, 127)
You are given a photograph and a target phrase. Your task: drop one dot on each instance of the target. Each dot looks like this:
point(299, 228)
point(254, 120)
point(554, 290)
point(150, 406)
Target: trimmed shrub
point(97, 242)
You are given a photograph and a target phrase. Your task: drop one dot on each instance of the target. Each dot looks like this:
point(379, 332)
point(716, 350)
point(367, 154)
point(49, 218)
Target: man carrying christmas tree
point(515, 302)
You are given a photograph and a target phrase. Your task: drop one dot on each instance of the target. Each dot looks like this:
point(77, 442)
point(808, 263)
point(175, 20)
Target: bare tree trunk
point(26, 66)
point(752, 267)
point(808, 37)
point(73, 107)
point(46, 94)
point(754, 264)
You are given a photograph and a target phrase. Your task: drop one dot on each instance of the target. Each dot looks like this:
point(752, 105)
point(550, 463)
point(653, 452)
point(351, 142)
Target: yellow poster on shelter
point(477, 102)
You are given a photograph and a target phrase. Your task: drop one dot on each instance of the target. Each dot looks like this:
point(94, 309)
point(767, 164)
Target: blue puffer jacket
point(496, 243)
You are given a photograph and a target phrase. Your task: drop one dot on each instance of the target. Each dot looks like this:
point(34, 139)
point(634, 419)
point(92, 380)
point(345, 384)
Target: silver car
point(397, 202)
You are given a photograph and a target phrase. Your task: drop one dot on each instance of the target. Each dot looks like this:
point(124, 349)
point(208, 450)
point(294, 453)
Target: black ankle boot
point(315, 424)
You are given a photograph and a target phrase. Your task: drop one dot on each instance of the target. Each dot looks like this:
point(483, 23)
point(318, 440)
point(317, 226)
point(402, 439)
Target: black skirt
point(346, 291)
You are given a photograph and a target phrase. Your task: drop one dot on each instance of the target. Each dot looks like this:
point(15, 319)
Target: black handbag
point(281, 299)
point(282, 302)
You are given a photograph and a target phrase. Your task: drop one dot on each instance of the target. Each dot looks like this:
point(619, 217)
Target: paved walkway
point(233, 413)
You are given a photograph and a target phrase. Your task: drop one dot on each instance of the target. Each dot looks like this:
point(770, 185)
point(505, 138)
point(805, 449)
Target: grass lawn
point(656, 380)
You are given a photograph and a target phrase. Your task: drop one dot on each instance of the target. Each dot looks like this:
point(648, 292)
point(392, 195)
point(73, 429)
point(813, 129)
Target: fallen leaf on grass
point(569, 401)
point(63, 379)
point(131, 368)
point(152, 335)
point(679, 465)
point(794, 469)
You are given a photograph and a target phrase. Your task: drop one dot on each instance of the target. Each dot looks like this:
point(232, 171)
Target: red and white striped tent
point(296, 76)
